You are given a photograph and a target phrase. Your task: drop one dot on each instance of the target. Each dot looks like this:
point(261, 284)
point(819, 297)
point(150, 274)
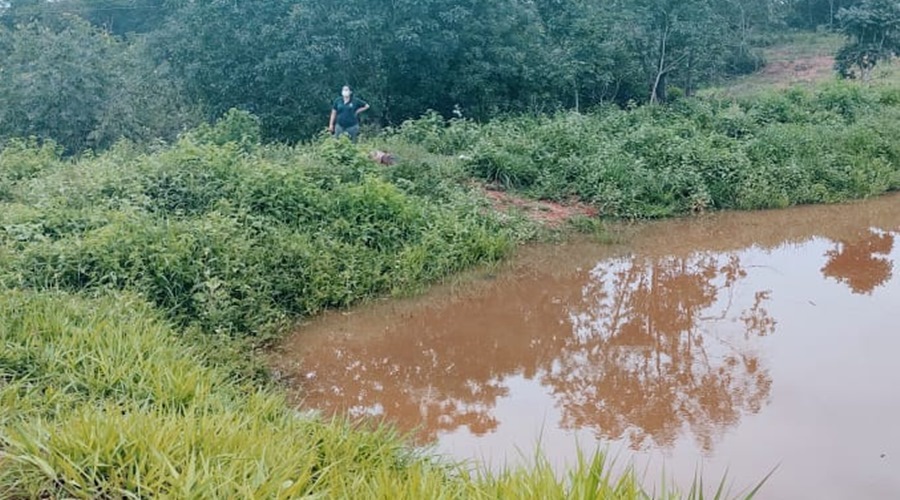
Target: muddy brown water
point(737, 341)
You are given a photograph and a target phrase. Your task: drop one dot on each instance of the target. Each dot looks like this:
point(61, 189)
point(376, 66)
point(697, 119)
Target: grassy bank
point(235, 238)
point(836, 142)
point(129, 280)
point(135, 283)
point(799, 59)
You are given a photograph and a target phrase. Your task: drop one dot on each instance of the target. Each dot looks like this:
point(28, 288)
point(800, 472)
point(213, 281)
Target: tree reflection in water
point(640, 347)
point(861, 263)
point(646, 360)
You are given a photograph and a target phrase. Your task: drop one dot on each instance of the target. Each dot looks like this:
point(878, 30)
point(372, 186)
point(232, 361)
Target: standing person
point(345, 114)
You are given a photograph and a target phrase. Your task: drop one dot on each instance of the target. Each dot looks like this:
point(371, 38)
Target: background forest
point(89, 72)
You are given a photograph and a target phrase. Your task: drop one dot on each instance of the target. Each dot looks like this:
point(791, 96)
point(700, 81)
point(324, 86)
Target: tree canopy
point(873, 34)
point(86, 72)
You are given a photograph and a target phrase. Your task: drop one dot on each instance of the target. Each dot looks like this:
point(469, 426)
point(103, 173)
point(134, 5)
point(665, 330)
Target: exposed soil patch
point(785, 68)
point(547, 213)
point(802, 69)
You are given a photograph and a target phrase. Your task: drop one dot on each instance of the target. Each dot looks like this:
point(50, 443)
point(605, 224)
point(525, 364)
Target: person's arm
point(364, 107)
point(331, 120)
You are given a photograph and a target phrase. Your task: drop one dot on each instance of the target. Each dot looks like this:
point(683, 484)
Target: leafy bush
point(744, 62)
point(510, 165)
point(231, 238)
point(236, 126)
point(191, 177)
point(780, 149)
point(23, 159)
point(437, 135)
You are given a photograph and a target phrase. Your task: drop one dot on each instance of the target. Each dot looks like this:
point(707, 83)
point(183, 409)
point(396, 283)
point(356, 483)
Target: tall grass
point(99, 398)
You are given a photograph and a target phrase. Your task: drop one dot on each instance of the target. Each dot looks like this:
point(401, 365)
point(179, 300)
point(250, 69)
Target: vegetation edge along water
point(136, 282)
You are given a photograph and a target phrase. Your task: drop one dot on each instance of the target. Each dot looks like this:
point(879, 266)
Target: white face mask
point(345, 93)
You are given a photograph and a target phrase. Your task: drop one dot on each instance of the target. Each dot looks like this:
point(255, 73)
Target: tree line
point(88, 72)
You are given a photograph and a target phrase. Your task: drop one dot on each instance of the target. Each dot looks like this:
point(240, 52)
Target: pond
point(731, 341)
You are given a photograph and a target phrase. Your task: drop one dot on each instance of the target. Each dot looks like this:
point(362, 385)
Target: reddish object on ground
point(382, 157)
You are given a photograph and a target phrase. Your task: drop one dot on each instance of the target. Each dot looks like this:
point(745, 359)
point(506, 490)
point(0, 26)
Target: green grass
point(100, 398)
point(797, 45)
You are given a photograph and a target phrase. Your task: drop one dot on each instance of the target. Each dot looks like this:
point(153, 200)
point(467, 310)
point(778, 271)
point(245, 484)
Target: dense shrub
point(835, 142)
point(222, 233)
point(437, 135)
point(23, 159)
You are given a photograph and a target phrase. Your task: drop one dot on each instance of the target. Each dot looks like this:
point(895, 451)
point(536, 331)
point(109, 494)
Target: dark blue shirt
point(346, 112)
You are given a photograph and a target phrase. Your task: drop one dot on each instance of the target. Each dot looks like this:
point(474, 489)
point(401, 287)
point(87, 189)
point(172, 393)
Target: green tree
point(747, 20)
point(53, 82)
point(873, 34)
point(13, 12)
point(125, 16)
point(591, 58)
point(678, 39)
point(285, 61)
point(82, 87)
point(634, 49)
point(810, 14)
point(258, 56)
point(115, 16)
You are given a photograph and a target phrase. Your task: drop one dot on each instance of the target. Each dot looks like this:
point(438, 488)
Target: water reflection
point(861, 262)
point(628, 347)
point(667, 349)
point(433, 369)
point(638, 365)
